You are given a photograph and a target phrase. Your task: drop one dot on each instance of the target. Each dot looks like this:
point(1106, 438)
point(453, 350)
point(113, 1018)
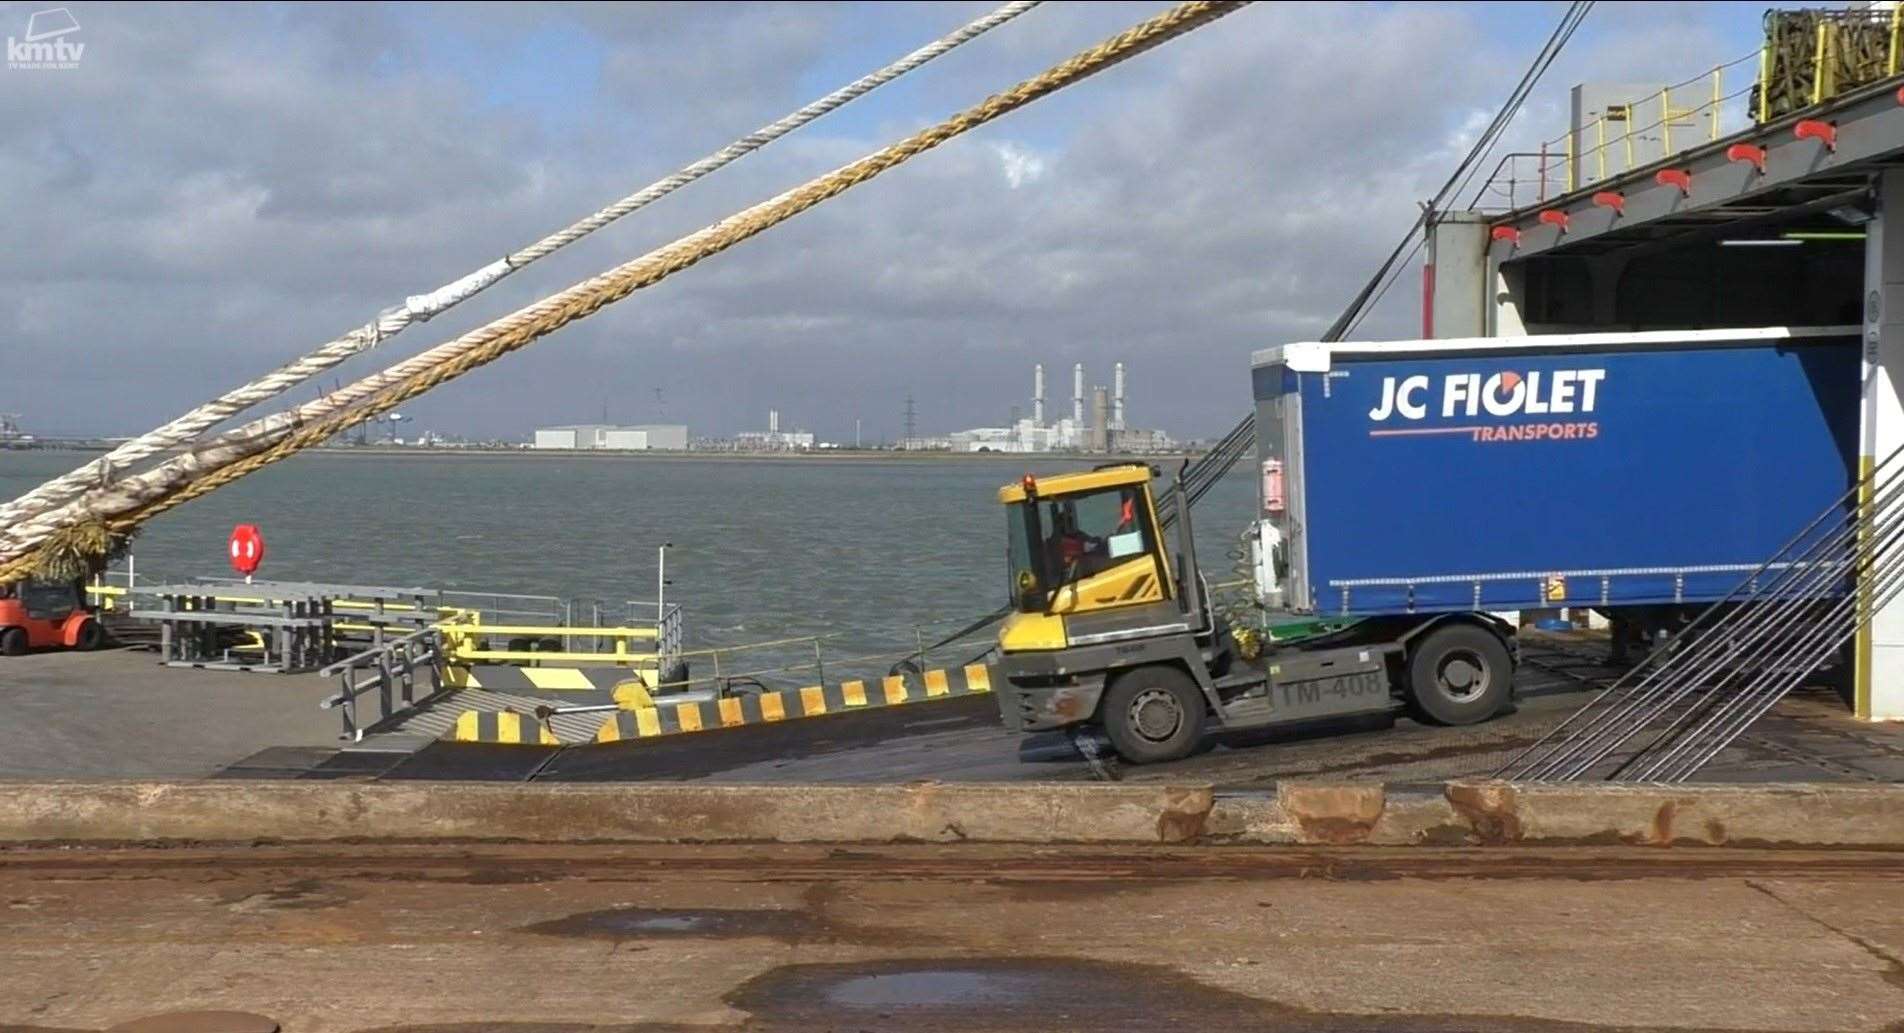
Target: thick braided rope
point(420, 307)
point(521, 328)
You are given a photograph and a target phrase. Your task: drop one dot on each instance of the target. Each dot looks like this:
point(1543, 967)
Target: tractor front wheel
point(1154, 714)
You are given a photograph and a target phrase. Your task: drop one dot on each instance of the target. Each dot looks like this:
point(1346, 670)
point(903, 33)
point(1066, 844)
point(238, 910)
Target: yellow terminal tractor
point(1109, 630)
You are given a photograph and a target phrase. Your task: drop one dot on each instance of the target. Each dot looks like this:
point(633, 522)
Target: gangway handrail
point(396, 662)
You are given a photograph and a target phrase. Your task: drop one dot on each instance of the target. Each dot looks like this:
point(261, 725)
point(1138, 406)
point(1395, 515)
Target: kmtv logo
point(1567, 392)
point(46, 47)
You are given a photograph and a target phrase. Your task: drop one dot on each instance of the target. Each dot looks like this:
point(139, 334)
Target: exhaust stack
point(1077, 397)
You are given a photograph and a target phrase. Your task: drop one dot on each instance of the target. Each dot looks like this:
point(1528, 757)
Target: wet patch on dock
point(641, 923)
point(981, 995)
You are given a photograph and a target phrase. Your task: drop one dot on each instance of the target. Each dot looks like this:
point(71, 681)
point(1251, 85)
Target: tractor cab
point(1080, 545)
point(37, 614)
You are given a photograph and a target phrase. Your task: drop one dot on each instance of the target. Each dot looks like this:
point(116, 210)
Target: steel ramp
point(1702, 688)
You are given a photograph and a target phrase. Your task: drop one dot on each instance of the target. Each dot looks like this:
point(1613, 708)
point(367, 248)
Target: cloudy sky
point(214, 190)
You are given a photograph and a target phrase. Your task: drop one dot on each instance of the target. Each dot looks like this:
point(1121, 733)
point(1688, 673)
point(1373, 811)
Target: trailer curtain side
point(1562, 470)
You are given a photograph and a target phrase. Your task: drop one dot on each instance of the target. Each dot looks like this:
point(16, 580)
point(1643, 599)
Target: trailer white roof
point(1317, 356)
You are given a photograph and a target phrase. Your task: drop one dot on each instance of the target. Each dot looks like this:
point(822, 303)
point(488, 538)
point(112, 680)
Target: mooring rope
point(519, 329)
point(420, 307)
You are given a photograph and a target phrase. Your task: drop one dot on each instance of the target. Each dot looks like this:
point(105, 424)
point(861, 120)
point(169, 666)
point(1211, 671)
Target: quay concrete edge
point(1455, 814)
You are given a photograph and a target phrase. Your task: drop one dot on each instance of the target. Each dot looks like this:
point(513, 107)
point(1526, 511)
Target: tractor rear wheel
point(1459, 674)
point(91, 636)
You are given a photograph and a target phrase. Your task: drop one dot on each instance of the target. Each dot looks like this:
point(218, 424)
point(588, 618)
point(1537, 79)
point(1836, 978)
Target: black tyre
point(91, 636)
point(13, 642)
point(1154, 714)
point(1459, 674)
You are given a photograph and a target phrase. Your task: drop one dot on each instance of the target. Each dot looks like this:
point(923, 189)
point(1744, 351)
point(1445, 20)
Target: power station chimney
point(1038, 395)
point(1117, 397)
point(1100, 413)
point(1077, 397)
point(773, 421)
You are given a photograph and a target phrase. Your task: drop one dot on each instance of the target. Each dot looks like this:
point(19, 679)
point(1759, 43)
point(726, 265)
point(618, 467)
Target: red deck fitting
point(1747, 152)
point(1507, 233)
point(1817, 129)
point(1609, 199)
point(1555, 217)
point(1900, 94)
point(1675, 178)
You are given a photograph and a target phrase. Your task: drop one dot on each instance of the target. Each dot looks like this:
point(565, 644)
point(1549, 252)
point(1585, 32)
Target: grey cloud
point(221, 187)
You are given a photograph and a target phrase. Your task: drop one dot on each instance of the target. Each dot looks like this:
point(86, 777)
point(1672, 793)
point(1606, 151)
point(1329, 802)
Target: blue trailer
point(1640, 471)
point(1411, 492)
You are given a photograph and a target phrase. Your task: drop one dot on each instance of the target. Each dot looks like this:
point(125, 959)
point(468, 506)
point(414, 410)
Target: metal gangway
point(390, 668)
point(1700, 689)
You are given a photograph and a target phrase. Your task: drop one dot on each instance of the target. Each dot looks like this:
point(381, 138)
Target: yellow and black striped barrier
point(510, 678)
point(505, 726)
point(792, 704)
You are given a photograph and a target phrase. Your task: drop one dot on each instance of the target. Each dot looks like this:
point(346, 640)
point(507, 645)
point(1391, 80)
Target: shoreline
point(691, 455)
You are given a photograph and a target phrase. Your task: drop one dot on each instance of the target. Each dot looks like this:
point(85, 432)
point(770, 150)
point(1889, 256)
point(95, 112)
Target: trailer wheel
point(1459, 674)
point(91, 636)
point(13, 642)
point(1154, 714)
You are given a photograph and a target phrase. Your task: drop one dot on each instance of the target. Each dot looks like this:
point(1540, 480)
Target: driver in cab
point(1071, 552)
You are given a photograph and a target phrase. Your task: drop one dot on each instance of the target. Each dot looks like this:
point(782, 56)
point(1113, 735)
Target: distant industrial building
point(1104, 432)
point(773, 439)
point(642, 438)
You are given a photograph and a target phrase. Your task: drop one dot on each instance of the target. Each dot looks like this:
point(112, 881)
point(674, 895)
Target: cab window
point(1088, 534)
point(49, 600)
point(1057, 541)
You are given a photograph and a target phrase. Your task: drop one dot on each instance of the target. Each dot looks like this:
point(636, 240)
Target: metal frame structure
point(1816, 159)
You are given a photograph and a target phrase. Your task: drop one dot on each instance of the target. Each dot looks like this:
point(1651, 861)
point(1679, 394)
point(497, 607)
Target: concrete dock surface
point(118, 714)
point(967, 938)
point(907, 870)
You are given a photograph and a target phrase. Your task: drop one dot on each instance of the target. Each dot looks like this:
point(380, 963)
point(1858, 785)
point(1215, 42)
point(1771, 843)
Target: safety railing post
point(1665, 121)
point(1628, 136)
point(436, 663)
point(383, 684)
point(1890, 64)
point(1818, 64)
point(1718, 98)
point(407, 672)
point(347, 694)
point(919, 637)
point(1572, 162)
point(1763, 114)
point(819, 665)
point(1599, 149)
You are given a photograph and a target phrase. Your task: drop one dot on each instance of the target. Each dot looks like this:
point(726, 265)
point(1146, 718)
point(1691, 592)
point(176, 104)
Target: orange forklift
point(47, 615)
